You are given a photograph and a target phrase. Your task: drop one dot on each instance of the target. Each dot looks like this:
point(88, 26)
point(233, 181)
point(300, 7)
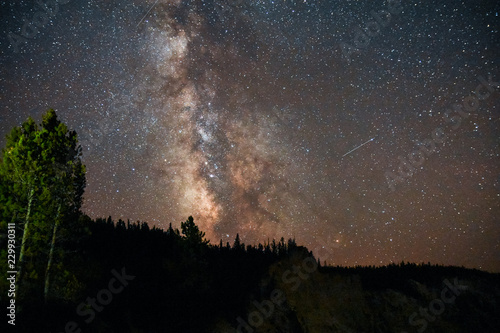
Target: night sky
point(357, 127)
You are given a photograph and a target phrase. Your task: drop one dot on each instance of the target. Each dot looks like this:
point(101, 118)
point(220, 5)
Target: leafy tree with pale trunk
point(42, 180)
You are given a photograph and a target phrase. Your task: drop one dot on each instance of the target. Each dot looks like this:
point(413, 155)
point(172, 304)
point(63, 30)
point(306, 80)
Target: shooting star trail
point(142, 19)
point(361, 145)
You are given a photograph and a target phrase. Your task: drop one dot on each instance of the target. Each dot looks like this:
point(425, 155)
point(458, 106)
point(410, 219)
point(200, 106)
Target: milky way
point(244, 115)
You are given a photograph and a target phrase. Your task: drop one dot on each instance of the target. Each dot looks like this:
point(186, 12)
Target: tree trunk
point(20, 271)
point(51, 256)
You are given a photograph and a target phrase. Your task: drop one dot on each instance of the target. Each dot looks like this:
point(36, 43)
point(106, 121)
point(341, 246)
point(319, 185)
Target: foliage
point(42, 181)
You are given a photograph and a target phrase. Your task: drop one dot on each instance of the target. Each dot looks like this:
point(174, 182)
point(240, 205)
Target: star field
point(240, 113)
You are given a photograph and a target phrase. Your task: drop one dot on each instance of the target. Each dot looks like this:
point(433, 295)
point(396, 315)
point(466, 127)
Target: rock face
point(298, 296)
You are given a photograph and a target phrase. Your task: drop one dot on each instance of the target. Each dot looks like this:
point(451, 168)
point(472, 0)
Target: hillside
point(396, 298)
point(122, 277)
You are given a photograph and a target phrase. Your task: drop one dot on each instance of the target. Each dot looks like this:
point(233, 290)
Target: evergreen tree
point(274, 247)
point(192, 233)
point(237, 243)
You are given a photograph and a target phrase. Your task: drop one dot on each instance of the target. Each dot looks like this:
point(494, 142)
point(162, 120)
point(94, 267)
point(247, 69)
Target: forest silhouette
point(79, 274)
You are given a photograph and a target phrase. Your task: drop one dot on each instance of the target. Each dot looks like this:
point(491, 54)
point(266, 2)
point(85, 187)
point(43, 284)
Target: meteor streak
point(361, 145)
point(142, 19)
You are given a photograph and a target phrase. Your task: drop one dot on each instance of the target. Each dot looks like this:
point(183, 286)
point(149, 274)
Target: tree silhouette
point(237, 243)
point(193, 235)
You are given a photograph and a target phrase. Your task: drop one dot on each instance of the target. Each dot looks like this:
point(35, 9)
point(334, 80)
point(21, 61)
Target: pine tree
point(192, 233)
point(237, 243)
